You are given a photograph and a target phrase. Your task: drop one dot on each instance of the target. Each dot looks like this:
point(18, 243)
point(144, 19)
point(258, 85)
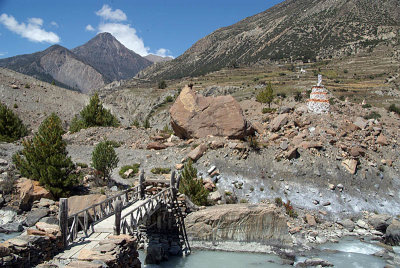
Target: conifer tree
point(191, 186)
point(104, 158)
point(11, 127)
point(266, 95)
point(45, 158)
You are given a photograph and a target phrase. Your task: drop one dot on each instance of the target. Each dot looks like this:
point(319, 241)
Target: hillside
point(293, 30)
point(112, 59)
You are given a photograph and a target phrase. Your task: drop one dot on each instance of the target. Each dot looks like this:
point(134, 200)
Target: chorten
point(318, 102)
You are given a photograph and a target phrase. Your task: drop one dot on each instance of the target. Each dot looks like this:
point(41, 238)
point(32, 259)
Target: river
point(348, 253)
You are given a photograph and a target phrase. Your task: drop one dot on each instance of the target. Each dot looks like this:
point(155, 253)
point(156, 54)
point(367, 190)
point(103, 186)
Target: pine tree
point(11, 127)
point(45, 158)
point(266, 95)
point(104, 158)
point(191, 186)
point(94, 114)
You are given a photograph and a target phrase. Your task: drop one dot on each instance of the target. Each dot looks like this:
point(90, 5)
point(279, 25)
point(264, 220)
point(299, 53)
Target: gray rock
point(34, 216)
point(11, 227)
point(3, 162)
point(45, 202)
point(360, 122)
point(214, 197)
point(284, 145)
point(380, 222)
point(392, 236)
point(347, 224)
point(7, 216)
point(362, 224)
point(284, 110)
point(49, 220)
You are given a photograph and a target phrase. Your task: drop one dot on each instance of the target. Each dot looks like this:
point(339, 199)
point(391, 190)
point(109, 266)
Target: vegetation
point(104, 158)
point(394, 108)
point(136, 123)
point(146, 123)
point(11, 127)
point(253, 142)
point(162, 84)
point(298, 97)
point(192, 187)
point(134, 167)
point(27, 86)
point(94, 114)
point(159, 170)
point(290, 210)
point(372, 115)
point(44, 158)
point(267, 110)
point(266, 95)
point(278, 201)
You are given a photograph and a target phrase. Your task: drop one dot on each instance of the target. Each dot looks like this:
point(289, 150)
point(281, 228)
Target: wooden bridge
point(125, 213)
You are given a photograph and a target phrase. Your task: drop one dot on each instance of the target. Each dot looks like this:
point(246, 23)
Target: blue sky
point(163, 27)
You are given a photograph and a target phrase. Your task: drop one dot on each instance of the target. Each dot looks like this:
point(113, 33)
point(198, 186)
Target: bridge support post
point(118, 210)
point(173, 180)
point(63, 220)
point(141, 185)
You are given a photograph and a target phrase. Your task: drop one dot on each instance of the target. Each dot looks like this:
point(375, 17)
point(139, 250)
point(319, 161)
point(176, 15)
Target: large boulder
point(30, 191)
point(79, 202)
point(196, 116)
point(380, 222)
point(392, 236)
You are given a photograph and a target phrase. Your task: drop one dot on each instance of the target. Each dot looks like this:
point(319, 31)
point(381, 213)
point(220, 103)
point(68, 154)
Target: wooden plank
point(72, 251)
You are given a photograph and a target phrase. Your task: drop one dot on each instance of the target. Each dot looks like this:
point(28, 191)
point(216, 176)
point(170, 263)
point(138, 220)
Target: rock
point(347, 224)
point(128, 173)
point(331, 186)
point(193, 115)
point(30, 191)
point(362, 224)
point(392, 236)
point(380, 222)
point(196, 153)
point(293, 153)
point(317, 262)
point(284, 110)
point(7, 216)
point(211, 169)
point(327, 203)
point(340, 186)
point(258, 222)
point(357, 151)
point(45, 202)
point(214, 197)
point(284, 145)
point(381, 140)
point(48, 228)
point(295, 229)
point(360, 122)
point(310, 219)
point(216, 144)
point(309, 144)
point(4, 251)
point(34, 216)
point(11, 227)
point(3, 162)
point(80, 202)
point(350, 165)
point(84, 264)
point(274, 136)
point(279, 122)
point(156, 146)
point(179, 166)
point(49, 220)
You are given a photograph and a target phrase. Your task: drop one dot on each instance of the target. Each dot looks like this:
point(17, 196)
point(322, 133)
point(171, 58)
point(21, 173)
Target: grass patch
point(134, 167)
point(159, 170)
point(372, 115)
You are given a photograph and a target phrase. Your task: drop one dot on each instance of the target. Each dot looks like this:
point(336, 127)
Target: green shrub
point(372, 115)
point(297, 96)
point(134, 167)
point(278, 201)
point(162, 84)
point(267, 110)
point(345, 71)
point(115, 144)
point(146, 123)
point(367, 105)
point(290, 210)
point(394, 108)
point(282, 95)
point(82, 165)
point(266, 95)
point(244, 201)
point(168, 99)
point(342, 98)
point(27, 86)
point(44, 158)
point(15, 106)
point(332, 101)
point(94, 114)
point(192, 187)
point(253, 142)
point(159, 170)
point(104, 158)
point(11, 127)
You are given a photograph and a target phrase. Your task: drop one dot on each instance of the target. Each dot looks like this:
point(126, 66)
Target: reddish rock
point(295, 230)
point(216, 144)
point(30, 191)
point(292, 153)
point(179, 166)
point(193, 115)
point(381, 140)
point(156, 146)
point(197, 152)
point(357, 151)
point(79, 202)
point(311, 220)
point(310, 144)
point(279, 122)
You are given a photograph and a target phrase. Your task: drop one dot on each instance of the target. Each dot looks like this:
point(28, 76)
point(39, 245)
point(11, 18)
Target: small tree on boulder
point(191, 186)
point(45, 158)
point(266, 95)
point(104, 158)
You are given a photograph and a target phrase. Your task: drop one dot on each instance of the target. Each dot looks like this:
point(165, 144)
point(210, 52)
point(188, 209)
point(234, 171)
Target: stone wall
point(32, 248)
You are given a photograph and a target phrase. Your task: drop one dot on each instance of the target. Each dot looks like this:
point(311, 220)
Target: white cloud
point(108, 14)
point(89, 28)
point(32, 31)
point(55, 24)
point(163, 52)
point(3, 53)
point(127, 36)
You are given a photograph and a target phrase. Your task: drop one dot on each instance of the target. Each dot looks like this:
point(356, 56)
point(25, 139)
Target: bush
point(159, 170)
point(134, 167)
point(82, 165)
point(282, 95)
point(15, 106)
point(192, 187)
point(267, 110)
point(11, 127)
point(146, 123)
point(27, 86)
point(372, 115)
point(162, 84)
point(266, 95)
point(278, 201)
point(94, 114)
point(290, 210)
point(394, 108)
point(168, 99)
point(44, 158)
point(136, 123)
point(104, 158)
point(367, 105)
point(298, 97)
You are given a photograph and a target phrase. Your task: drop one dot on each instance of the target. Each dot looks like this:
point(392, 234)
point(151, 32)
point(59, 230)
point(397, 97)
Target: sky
point(161, 27)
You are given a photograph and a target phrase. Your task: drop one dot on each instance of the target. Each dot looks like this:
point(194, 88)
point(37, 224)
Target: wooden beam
point(63, 220)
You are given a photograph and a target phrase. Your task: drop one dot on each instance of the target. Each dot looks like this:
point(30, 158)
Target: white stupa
point(318, 102)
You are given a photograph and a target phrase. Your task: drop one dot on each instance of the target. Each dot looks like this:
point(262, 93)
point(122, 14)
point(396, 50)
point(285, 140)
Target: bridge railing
point(84, 220)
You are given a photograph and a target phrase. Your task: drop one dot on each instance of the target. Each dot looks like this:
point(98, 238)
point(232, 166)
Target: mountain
point(112, 59)
point(156, 58)
point(86, 68)
point(304, 30)
point(57, 64)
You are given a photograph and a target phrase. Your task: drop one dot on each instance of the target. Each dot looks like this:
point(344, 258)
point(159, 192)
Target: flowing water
point(348, 253)
point(4, 237)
